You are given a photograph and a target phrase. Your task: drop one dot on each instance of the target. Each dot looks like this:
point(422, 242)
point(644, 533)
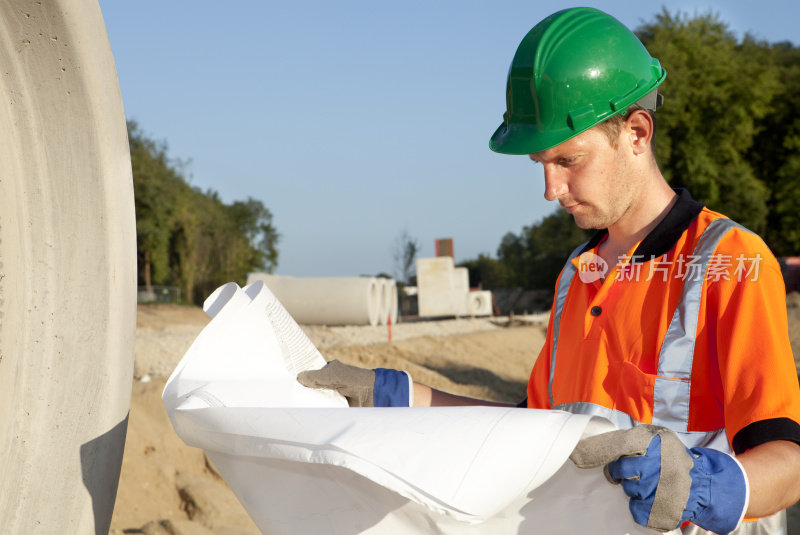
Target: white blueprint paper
point(301, 461)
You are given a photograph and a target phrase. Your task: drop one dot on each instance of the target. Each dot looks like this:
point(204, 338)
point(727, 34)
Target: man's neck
point(638, 221)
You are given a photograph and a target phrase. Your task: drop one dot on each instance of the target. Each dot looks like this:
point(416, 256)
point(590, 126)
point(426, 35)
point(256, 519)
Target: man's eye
point(566, 161)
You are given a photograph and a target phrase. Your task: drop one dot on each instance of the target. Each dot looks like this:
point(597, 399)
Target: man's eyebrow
point(557, 157)
point(538, 159)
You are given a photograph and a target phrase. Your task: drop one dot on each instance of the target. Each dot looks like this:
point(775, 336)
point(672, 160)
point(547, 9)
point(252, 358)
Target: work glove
point(667, 483)
point(381, 387)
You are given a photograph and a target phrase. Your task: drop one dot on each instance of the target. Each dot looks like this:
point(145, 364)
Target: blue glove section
point(718, 493)
point(391, 388)
point(639, 477)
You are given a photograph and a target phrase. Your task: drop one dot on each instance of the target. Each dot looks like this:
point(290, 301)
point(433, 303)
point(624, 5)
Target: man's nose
point(555, 185)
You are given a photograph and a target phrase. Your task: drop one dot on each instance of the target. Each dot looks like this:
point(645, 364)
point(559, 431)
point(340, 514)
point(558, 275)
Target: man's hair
point(611, 127)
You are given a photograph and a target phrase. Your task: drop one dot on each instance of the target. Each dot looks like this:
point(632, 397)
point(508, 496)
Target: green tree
point(190, 238)
point(213, 243)
point(511, 254)
point(254, 223)
point(776, 154)
point(155, 186)
point(489, 273)
point(406, 248)
point(537, 254)
point(716, 93)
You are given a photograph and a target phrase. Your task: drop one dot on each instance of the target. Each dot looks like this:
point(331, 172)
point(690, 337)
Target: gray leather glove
point(355, 384)
point(659, 482)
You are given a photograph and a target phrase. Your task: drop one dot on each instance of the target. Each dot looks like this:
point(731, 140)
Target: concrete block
point(461, 291)
point(435, 286)
point(442, 287)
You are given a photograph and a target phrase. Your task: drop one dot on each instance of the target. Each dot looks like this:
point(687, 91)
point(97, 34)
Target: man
point(670, 322)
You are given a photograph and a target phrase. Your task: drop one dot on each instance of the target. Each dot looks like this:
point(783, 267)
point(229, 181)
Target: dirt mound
point(165, 484)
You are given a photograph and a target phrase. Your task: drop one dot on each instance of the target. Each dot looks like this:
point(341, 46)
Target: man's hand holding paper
point(381, 387)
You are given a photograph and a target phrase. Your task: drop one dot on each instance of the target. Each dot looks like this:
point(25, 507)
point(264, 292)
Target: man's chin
point(587, 223)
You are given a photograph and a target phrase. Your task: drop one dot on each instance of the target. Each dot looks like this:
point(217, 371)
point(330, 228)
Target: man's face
point(589, 177)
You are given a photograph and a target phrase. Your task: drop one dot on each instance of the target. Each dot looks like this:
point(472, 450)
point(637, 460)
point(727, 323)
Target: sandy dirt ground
point(168, 488)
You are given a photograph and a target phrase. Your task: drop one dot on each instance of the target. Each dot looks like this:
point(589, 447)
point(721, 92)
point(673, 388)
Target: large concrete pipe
point(67, 269)
point(326, 301)
point(394, 304)
point(388, 301)
point(383, 300)
point(480, 303)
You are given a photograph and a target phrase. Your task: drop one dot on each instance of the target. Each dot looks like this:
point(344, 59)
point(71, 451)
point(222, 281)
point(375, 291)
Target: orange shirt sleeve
point(743, 357)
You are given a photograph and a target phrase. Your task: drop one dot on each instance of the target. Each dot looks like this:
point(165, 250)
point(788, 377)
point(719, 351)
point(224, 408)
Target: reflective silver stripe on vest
point(561, 295)
point(673, 383)
point(673, 380)
point(717, 439)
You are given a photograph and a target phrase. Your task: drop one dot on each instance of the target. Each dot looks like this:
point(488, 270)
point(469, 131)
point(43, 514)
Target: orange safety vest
point(678, 340)
point(694, 339)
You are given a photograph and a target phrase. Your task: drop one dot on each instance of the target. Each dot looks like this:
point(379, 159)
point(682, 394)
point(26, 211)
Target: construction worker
point(670, 322)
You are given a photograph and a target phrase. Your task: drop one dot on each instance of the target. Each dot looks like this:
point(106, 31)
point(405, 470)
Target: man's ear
point(639, 129)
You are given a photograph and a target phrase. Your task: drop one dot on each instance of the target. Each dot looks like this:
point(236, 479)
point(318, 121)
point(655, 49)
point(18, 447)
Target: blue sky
point(354, 120)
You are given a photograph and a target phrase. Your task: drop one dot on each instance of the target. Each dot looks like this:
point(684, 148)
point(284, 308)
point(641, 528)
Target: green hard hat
point(573, 70)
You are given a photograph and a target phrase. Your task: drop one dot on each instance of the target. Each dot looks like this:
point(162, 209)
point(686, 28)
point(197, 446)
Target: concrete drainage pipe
point(383, 300)
point(67, 269)
point(326, 300)
point(388, 301)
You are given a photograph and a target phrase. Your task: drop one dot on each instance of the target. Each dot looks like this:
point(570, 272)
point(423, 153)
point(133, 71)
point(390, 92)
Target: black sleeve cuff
point(763, 431)
point(523, 404)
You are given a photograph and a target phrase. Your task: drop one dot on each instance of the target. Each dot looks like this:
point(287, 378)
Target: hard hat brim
point(516, 138)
